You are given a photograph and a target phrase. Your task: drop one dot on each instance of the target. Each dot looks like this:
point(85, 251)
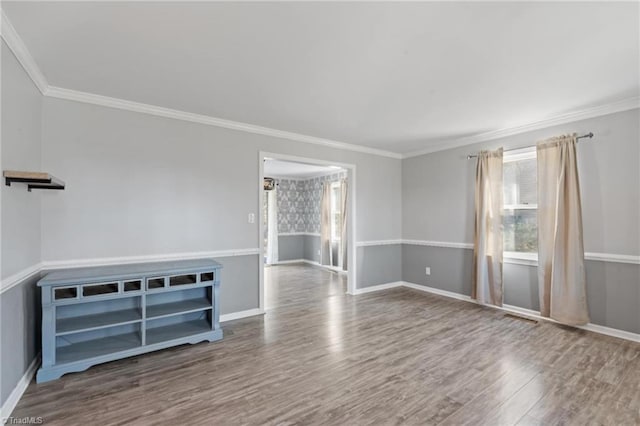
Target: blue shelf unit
point(100, 314)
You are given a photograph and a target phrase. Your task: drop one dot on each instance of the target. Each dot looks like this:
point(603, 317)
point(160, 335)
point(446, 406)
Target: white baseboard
point(242, 314)
point(600, 329)
point(378, 287)
point(286, 262)
point(311, 262)
point(21, 386)
point(432, 290)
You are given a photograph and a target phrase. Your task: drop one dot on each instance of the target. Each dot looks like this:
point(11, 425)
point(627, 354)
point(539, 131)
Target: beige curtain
point(487, 242)
point(272, 226)
point(344, 238)
point(325, 224)
point(561, 276)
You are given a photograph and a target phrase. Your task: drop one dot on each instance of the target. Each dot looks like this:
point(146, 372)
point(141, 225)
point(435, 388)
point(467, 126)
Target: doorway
point(307, 209)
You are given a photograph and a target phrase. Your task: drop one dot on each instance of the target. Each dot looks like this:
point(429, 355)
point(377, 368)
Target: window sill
point(519, 258)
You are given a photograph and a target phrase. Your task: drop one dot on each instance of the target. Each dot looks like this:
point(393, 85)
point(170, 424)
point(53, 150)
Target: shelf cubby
point(91, 344)
point(73, 318)
point(177, 302)
point(179, 326)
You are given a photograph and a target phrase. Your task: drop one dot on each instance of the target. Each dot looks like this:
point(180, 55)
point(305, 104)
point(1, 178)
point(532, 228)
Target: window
point(336, 211)
point(520, 201)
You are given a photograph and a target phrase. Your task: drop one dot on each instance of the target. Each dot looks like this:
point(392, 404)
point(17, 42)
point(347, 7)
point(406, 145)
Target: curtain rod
point(588, 135)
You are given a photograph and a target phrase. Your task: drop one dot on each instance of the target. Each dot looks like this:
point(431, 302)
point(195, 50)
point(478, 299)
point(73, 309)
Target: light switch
point(252, 218)
point(427, 270)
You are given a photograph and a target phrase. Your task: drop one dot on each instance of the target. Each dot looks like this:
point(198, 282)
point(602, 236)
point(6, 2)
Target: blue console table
point(100, 314)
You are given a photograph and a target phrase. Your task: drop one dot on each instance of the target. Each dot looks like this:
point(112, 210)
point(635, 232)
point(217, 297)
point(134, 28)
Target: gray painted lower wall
point(379, 265)
point(19, 333)
point(312, 248)
point(238, 290)
point(290, 247)
point(613, 289)
point(301, 246)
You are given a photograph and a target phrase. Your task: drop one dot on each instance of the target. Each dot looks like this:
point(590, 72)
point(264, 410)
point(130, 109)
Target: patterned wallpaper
point(299, 203)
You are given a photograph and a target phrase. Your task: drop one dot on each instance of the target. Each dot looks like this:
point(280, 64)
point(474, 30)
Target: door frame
point(351, 214)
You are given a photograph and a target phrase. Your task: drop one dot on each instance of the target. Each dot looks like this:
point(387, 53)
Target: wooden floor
point(394, 357)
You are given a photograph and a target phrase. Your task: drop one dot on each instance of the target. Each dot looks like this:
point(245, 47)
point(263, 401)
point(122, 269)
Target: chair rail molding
point(378, 243)
point(530, 259)
point(47, 265)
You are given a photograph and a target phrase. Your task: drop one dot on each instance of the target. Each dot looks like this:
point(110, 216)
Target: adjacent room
point(322, 213)
point(305, 223)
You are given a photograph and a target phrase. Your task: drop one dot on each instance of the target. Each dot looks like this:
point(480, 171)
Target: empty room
point(320, 213)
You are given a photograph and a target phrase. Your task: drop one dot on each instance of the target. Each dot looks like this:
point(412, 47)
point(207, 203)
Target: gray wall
point(312, 248)
point(138, 185)
point(300, 246)
point(613, 289)
point(379, 264)
point(437, 196)
point(20, 243)
point(238, 289)
point(437, 188)
point(290, 247)
point(19, 333)
point(21, 150)
point(131, 174)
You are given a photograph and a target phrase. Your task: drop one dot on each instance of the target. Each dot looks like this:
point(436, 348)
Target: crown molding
point(597, 111)
point(19, 49)
point(106, 101)
point(21, 52)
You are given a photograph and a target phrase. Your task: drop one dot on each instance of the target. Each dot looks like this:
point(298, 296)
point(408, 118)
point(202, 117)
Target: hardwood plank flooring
point(322, 357)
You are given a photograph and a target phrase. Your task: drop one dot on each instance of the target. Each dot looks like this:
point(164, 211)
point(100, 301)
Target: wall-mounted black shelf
point(34, 180)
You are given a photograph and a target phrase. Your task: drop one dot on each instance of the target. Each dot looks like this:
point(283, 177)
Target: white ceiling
point(277, 168)
point(394, 76)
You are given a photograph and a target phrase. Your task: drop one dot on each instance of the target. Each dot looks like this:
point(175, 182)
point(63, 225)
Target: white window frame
point(517, 257)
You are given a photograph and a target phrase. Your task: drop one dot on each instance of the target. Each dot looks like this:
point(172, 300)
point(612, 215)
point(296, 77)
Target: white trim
point(287, 262)
point(600, 329)
point(598, 111)
point(351, 213)
point(379, 287)
point(529, 258)
point(23, 55)
point(378, 243)
point(314, 176)
point(438, 244)
point(242, 314)
point(519, 258)
point(78, 263)
point(19, 49)
point(610, 257)
point(19, 277)
point(106, 101)
point(293, 234)
point(18, 391)
point(311, 262)
point(439, 292)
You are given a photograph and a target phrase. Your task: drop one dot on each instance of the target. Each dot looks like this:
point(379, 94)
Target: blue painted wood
point(87, 330)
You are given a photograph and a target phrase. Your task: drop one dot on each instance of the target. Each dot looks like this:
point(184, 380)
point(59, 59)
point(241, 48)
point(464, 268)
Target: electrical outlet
point(252, 218)
point(427, 270)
